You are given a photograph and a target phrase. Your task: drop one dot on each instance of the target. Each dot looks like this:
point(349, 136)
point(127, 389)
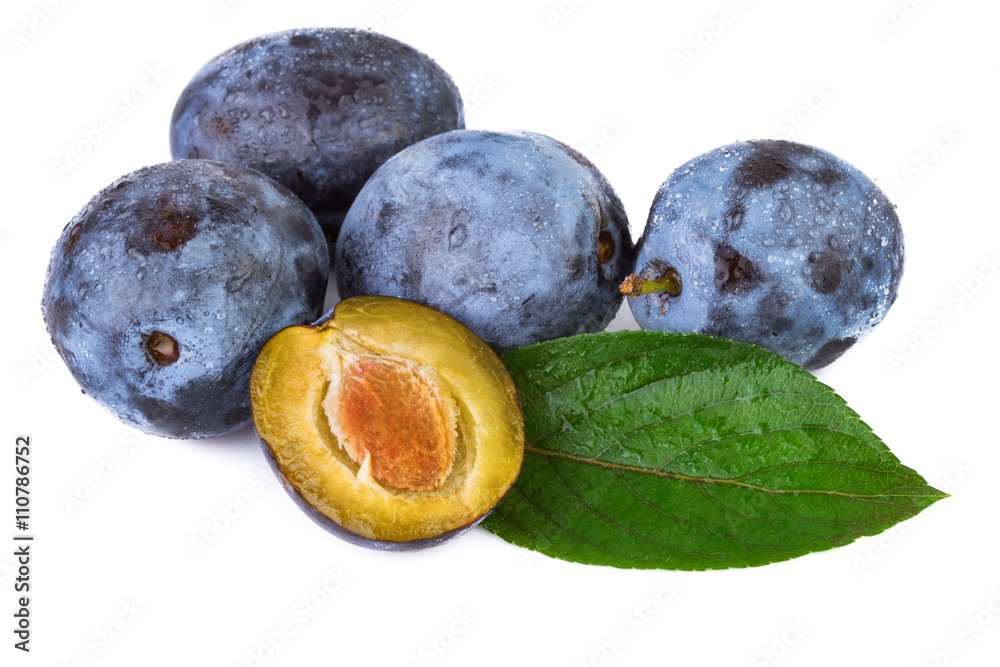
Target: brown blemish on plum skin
point(768, 163)
point(733, 271)
point(303, 41)
point(162, 348)
point(163, 228)
point(221, 126)
point(605, 246)
point(174, 231)
point(72, 240)
point(827, 176)
point(826, 271)
point(605, 239)
point(761, 169)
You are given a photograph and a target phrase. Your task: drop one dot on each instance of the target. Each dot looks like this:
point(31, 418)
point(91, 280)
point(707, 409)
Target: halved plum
point(391, 424)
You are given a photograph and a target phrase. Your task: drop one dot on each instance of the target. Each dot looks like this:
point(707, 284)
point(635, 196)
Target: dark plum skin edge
point(343, 533)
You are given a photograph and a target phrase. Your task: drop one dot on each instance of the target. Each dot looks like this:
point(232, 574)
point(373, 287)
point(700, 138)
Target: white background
point(888, 82)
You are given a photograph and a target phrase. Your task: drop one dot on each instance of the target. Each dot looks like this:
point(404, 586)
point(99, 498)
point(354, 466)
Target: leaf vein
point(616, 523)
point(707, 480)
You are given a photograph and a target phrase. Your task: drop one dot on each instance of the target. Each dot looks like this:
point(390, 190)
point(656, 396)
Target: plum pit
point(395, 419)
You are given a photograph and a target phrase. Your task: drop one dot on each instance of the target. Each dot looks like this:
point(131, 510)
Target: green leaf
point(681, 451)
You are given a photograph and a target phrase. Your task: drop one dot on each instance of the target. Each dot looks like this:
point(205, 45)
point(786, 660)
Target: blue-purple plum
point(316, 109)
point(162, 290)
point(770, 242)
point(516, 235)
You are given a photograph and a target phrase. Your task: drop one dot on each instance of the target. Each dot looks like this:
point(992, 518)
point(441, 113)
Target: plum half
point(389, 423)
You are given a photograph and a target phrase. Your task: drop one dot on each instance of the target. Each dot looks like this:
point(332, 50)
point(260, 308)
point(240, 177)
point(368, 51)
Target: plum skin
point(776, 243)
point(348, 535)
point(316, 109)
point(290, 382)
point(516, 235)
point(162, 289)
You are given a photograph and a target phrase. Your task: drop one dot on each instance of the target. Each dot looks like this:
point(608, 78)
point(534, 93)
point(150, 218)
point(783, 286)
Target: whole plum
point(770, 242)
point(317, 109)
point(516, 235)
point(162, 290)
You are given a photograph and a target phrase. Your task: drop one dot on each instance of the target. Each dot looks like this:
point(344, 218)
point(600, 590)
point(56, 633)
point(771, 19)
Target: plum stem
point(635, 285)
